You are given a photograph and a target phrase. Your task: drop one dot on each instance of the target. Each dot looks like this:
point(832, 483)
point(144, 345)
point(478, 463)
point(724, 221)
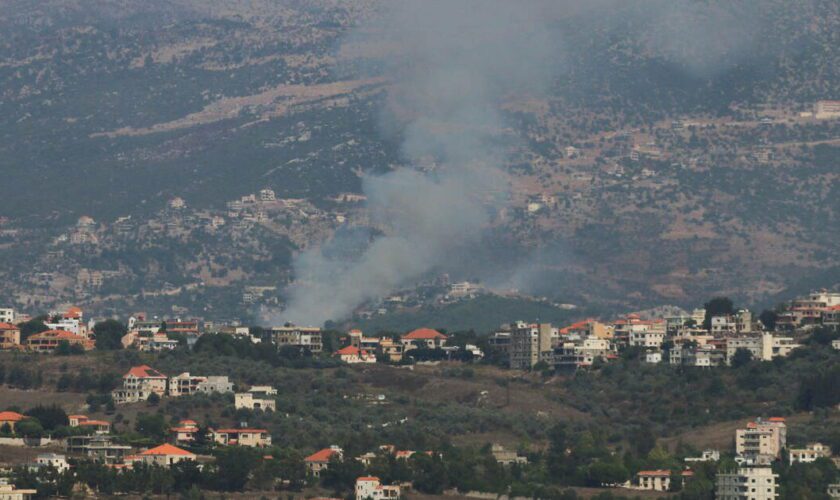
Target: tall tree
point(109, 334)
point(718, 306)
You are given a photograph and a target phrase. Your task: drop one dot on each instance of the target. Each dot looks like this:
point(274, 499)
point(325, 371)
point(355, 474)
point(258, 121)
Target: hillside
point(692, 171)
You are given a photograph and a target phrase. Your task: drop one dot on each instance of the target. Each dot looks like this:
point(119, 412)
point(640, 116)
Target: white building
point(257, 398)
point(706, 456)
point(809, 454)
point(654, 480)
point(370, 488)
point(54, 460)
point(7, 315)
point(748, 483)
point(653, 357)
point(763, 347)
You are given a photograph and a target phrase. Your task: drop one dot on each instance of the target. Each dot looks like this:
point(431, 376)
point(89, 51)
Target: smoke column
point(453, 63)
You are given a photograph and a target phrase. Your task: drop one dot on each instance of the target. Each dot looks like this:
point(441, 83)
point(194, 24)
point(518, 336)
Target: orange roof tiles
point(166, 449)
point(94, 422)
point(367, 478)
point(144, 371)
point(239, 431)
point(11, 416)
point(321, 456)
point(660, 472)
point(57, 334)
point(348, 351)
point(424, 334)
point(8, 326)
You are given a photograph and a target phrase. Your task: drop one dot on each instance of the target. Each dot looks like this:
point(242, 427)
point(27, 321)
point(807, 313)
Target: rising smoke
point(453, 63)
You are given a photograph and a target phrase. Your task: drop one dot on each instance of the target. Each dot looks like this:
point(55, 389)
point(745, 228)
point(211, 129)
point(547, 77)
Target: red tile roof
point(57, 334)
point(660, 472)
point(367, 478)
point(94, 422)
point(11, 416)
point(321, 456)
point(166, 449)
point(239, 431)
point(348, 351)
point(144, 371)
point(424, 334)
point(8, 326)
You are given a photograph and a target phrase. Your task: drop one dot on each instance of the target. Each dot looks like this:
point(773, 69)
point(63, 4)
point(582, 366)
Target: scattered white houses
point(258, 397)
point(747, 483)
point(371, 488)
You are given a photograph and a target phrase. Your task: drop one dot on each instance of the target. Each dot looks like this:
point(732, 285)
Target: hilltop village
point(202, 426)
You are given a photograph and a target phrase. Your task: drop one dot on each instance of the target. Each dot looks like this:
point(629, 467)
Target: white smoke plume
point(453, 64)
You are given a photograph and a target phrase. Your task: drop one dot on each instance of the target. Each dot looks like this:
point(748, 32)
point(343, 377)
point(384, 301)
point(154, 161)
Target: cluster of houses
point(66, 327)
point(677, 340)
point(757, 445)
point(361, 349)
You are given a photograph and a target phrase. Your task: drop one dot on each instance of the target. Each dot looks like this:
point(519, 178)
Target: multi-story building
point(241, 437)
point(7, 315)
point(762, 441)
point(139, 383)
point(531, 343)
point(764, 347)
point(833, 490)
point(581, 353)
point(308, 338)
point(748, 483)
point(9, 335)
point(650, 339)
point(185, 432)
point(99, 447)
point(391, 349)
point(184, 384)
point(809, 454)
